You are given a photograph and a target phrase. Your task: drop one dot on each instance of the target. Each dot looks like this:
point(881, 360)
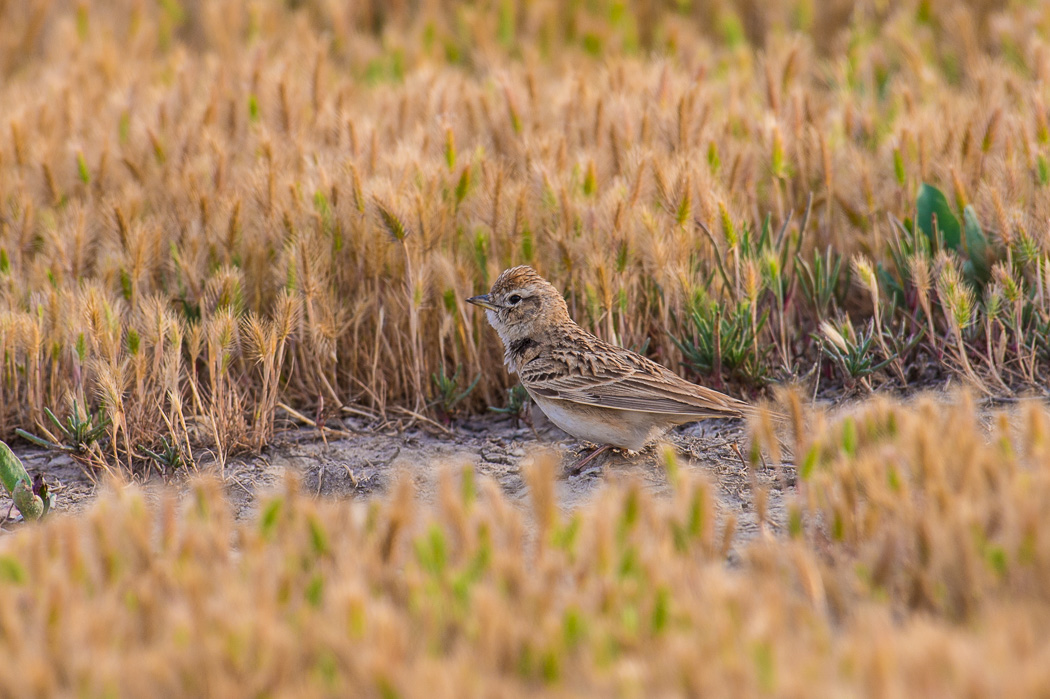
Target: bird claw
point(577, 467)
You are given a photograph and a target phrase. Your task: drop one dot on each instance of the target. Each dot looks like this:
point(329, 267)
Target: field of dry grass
point(210, 208)
point(216, 214)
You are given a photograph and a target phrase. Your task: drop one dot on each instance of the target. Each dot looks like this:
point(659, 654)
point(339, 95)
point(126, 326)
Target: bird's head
point(522, 305)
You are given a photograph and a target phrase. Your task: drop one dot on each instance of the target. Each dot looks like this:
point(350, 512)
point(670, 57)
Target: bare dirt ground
point(368, 461)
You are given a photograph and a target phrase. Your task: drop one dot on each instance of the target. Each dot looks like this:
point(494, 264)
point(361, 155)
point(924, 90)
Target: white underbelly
point(626, 429)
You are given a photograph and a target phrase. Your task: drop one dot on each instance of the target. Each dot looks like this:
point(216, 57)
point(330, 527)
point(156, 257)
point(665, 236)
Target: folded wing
point(623, 380)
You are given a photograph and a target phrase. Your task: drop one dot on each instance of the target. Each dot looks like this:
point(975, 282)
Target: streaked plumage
point(589, 388)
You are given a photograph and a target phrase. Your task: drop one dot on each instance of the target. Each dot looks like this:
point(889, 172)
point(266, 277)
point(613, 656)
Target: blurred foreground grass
point(912, 563)
point(208, 208)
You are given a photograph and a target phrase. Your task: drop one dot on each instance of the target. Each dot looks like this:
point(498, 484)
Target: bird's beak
point(483, 301)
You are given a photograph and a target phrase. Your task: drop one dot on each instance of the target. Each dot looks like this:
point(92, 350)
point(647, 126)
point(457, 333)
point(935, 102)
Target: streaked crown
point(517, 278)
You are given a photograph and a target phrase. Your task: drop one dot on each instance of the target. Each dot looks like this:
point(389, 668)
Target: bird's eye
point(514, 300)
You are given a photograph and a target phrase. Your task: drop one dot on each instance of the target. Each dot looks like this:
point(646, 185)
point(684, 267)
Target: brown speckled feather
point(584, 369)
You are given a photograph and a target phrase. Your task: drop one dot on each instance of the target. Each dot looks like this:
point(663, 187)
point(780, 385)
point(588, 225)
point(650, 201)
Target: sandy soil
point(366, 464)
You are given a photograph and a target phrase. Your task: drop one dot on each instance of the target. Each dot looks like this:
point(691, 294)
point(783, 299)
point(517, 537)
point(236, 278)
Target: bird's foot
point(577, 468)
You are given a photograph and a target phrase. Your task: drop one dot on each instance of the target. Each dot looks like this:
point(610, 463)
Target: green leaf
point(11, 470)
point(506, 26)
point(124, 126)
point(315, 591)
point(808, 464)
point(795, 523)
point(898, 166)
point(977, 245)
point(890, 284)
point(318, 537)
point(661, 610)
point(849, 437)
point(574, 626)
point(270, 516)
point(83, 25)
point(462, 186)
point(765, 666)
point(931, 203)
point(28, 503)
point(41, 442)
point(450, 149)
point(11, 571)
point(82, 168)
point(592, 44)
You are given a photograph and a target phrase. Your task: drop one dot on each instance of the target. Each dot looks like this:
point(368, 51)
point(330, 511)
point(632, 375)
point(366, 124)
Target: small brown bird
point(591, 389)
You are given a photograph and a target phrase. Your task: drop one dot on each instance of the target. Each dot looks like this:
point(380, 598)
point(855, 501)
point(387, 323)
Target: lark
point(593, 390)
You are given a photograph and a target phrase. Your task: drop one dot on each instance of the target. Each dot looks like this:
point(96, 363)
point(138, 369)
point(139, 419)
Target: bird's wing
point(622, 380)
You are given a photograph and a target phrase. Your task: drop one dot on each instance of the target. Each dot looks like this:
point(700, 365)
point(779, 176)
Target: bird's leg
point(577, 467)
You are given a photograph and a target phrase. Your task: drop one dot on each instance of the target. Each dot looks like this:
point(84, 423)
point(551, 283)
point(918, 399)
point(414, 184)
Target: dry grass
point(912, 564)
point(210, 208)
